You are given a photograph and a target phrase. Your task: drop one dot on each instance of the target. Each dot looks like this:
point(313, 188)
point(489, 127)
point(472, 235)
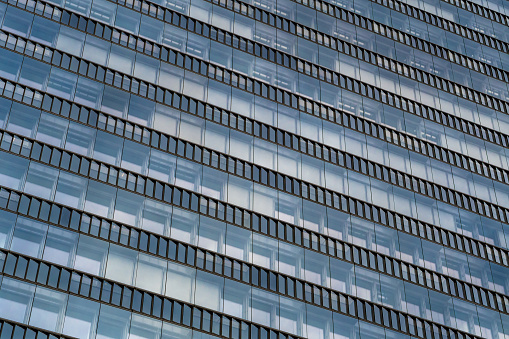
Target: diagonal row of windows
point(308, 146)
point(283, 23)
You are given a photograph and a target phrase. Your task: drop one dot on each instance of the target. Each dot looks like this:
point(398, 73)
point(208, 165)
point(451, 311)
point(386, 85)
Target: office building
point(254, 169)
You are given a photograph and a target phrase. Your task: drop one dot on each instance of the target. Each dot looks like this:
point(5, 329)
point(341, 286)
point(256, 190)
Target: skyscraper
point(254, 169)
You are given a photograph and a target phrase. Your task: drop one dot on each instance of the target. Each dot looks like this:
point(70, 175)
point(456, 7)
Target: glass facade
point(254, 169)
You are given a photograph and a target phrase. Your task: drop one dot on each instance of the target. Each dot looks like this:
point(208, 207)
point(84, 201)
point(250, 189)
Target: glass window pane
point(115, 101)
point(162, 166)
point(120, 265)
point(17, 21)
point(80, 317)
point(135, 157)
point(52, 130)
point(180, 282)
point(41, 181)
point(150, 273)
point(108, 148)
point(91, 255)
point(23, 120)
point(13, 170)
point(62, 83)
point(113, 323)
point(44, 31)
point(237, 299)
point(128, 208)
point(144, 328)
point(71, 190)
point(35, 74)
point(146, 68)
point(48, 309)
point(29, 236)
point(10, 64)
point(209, 291)
point(60, 246)
point(7, 222)
point(175, 332)
point(184, 226)
point(70, 40)
point(15, 298)
point(96, 50)
point(121, 59)
point(238, 243)
point(80, 139)
point(89, 93)
point(141, 110)
point(211, 235)
point(156, 217)
point(100, 199)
